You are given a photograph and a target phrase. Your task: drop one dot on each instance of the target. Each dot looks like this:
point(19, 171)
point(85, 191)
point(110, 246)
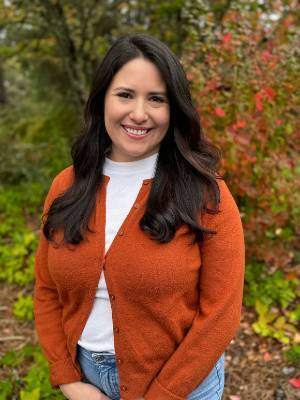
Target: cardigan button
point(116, 329)
point(119, 361)
point(124, 388)
point(112, 297)
point(136, 205)
point(121, 232)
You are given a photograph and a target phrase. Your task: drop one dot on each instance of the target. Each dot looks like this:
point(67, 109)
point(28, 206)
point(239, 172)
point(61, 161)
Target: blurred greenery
point(242, 61)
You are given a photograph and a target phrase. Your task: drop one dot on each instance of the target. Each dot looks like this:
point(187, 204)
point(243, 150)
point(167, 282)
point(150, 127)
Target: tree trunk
point(3, 95)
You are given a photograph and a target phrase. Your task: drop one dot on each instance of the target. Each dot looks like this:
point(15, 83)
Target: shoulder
point(61, 182)
point(226, 197)
point(63, 179)
point(228, 211)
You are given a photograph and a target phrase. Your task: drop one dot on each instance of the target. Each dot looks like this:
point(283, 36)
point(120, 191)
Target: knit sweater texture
point(175, 306)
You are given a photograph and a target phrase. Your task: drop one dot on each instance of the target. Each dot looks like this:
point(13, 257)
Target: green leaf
point(32, 395)
point(6, 389)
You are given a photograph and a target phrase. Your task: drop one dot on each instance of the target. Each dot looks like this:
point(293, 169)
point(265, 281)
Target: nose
point(139, 113)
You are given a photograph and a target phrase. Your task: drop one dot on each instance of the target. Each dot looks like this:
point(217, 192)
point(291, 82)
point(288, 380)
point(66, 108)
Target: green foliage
point(37, 138)
point(269, 289)
point(272, 296)
point(27, 177)
point(35, 383)
point(6, 389)
point(17, 241)
point(292, 355)
point(23, 307)
point(15, 358)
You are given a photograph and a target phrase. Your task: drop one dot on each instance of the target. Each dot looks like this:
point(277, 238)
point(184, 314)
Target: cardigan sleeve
point(220, 300)
point(48, 312)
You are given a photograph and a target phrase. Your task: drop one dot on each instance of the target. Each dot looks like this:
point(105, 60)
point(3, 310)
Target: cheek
point(163, 119)
point(112, 112)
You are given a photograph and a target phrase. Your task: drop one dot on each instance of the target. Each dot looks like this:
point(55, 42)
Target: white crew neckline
point(131, 167)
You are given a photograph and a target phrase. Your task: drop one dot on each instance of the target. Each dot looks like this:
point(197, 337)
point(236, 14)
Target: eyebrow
point(132, 91)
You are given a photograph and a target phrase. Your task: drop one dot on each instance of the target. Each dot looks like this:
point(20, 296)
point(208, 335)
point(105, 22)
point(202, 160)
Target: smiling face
point(136, 111)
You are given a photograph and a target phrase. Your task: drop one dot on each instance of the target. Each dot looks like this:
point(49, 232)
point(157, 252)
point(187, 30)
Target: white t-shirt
point(126, 179)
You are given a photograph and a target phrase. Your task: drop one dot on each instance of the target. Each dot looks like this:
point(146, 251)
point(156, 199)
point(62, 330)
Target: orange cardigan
point(175, 307)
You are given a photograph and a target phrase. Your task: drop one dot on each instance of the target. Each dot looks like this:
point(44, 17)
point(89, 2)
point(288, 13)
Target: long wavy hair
point(184, 183)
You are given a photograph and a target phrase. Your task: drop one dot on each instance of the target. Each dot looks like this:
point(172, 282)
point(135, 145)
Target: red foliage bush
point(244, 82)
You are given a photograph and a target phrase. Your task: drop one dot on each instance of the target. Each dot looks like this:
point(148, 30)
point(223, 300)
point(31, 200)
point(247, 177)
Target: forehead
point(139, 74)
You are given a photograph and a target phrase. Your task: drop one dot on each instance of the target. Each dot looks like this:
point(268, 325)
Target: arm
point(48, 313)
point(220, 300)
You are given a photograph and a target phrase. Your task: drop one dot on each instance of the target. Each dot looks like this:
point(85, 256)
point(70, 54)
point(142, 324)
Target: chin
point(136, 154)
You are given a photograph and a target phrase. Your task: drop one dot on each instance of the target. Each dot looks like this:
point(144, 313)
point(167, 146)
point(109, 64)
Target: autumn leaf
point(227, 37)
point(219, 112)
point(239, 124)
point(295, 382)
point(269, 92)
point(258, 101)
point(266, 56)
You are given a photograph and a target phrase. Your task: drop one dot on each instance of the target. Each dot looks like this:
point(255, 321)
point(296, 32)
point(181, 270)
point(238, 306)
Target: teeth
point(135, 131)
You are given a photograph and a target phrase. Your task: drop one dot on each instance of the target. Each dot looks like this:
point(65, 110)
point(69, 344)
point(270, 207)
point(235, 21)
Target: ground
point(255, 367)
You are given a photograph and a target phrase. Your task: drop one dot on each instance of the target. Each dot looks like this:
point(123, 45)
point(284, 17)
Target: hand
point(80, 390)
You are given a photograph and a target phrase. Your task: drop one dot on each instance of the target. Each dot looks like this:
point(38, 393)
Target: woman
point(140, 265)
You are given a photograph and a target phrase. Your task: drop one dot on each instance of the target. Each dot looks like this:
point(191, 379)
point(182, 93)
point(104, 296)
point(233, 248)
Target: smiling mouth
point(136, 132)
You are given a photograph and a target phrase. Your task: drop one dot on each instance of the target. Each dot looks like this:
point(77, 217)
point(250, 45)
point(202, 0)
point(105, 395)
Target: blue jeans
point(100, 370)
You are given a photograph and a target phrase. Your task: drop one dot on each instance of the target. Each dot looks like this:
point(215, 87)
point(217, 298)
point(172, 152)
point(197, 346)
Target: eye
point(157, 99)
point(125, 95)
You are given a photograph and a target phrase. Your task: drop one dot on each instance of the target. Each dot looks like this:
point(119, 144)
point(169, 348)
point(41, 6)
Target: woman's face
point(136, 111)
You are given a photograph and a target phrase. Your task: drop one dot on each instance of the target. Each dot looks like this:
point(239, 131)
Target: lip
point(140, 128)
point(132, 136)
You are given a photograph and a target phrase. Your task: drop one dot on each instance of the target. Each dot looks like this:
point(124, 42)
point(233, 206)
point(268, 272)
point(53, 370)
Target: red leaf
point(227, 37)
point(259, 105)
point(269, 92)
point(239, 124)
point(266, 56)
point(258, 96)
point(295, 382)
point(219, 112)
